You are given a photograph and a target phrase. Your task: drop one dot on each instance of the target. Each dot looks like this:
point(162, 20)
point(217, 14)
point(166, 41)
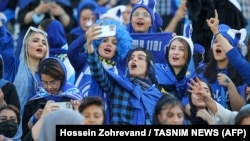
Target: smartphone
point(42, 105)
point(107, 30)
point(64, 105)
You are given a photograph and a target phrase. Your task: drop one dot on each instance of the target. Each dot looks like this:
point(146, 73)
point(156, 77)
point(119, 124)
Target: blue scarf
point(77, 31)
point(154, 42)
point(143, 100)
point(67, 91)
point(167, 78)
point(3, 82)
point(57, 38)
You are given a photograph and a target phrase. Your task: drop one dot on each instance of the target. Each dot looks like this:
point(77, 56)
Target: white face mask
point(37, 18)
point(89, 23)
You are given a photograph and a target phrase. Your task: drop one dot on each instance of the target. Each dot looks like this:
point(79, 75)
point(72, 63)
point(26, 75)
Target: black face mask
point(8, 128)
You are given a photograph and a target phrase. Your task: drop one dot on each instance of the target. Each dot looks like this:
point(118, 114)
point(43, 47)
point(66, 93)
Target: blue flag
point(154, 42)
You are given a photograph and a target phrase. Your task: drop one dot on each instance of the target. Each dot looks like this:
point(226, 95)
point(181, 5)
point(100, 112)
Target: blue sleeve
point(99, 73)
point(240, 64)
point(76, 55)
point(185, 101)
point(242, 90)
point(7, 52)
point(6, 41)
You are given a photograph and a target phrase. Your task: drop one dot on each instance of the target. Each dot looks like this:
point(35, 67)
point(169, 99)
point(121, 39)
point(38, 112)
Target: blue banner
point(154, 42)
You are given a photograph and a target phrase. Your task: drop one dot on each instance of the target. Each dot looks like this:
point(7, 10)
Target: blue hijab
point(56, 38)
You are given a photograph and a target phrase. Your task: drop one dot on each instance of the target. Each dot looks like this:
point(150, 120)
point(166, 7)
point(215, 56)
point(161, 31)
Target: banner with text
point(154, 42)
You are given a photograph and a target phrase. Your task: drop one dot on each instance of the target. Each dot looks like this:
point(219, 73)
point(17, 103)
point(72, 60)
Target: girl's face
point(37, 46)
point(50, 84)
point(141, 20)
point(134, 1)
point(198, 102)
point(85, 16)
point(171, 115)
point(1, 97)
point(107, 48)
point(177, 54)
point(102, 2)
point(126, 14)
point(137, 64)
point(8, 114)
point(218, 53)
point(93, 115)
point(245, 121)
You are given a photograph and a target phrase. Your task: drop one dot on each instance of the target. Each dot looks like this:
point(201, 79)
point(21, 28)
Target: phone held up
point(64, 105)
point(107, 30)
point(42, 105)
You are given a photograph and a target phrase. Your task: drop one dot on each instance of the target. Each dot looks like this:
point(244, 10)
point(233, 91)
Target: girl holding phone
point(52, 87)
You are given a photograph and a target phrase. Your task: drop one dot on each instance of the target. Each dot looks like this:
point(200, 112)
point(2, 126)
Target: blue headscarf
point(86, 4)
point(56, 38)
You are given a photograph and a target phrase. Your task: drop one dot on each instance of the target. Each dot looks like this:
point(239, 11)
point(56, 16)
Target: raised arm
point(221, 114)
point(239, 63)
point(77, 52)
point(7, 52)
point(179, 15)
point(235, 98)
point(213, 24)
point(195, 87)
point(97, 70)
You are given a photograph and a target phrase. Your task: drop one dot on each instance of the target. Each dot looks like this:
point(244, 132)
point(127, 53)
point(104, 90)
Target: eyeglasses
point(137, 14)
point(31, 28)
point(53, 84)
